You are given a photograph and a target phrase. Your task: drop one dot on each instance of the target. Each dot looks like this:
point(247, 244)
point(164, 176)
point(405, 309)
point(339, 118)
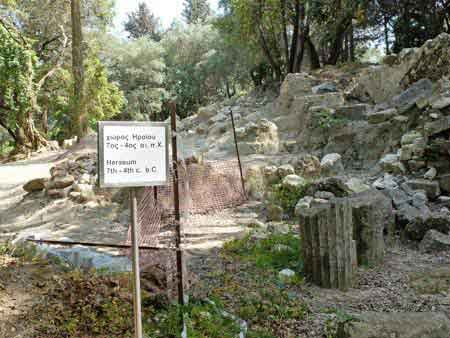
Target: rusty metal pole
point(136, 274)
point(176, 197)
point(237, 153)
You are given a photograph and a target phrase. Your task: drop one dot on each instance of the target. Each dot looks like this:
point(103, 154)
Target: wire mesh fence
point(205, 189)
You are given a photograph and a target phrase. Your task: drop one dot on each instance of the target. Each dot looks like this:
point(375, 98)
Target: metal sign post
point(136, 273)
point(133, 154)
point(176, 196)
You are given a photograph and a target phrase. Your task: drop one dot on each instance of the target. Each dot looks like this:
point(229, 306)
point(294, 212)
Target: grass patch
point(276, 252)
point(249, 285)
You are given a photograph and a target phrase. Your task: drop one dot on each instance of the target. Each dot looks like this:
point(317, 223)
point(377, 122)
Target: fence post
point(176, 197)
point(237, 153)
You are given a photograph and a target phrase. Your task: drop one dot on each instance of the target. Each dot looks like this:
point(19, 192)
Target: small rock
point(324, 195)
point(327, 87)
point(85, 179)
point(281, 248)
point(58, 193)
point(398, 196)
point(270, 174)
point(331, 164)
point(75, 196)
point(286, 274)
point(435, 241)
point(61, 182)
point(419, 199)
point(37, 184)
point(430, 174)
point(274, 212)
point(431, 187)
point(385, 182)
point(390, 163)
point(356, 185)
point(285, 170)
point(444, 199)
point(441, 103)
point(293, 182)
point(381, 116)
point(410, 137)
point(303, 203)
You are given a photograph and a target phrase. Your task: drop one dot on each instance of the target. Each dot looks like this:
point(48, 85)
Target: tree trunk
point(28, 137)
point(352, 44)
point(336, 47)
point(285, 34)
point(302, 36)
point(78, 118)
point(294, 44)
point(386, 35)
point(315, 60)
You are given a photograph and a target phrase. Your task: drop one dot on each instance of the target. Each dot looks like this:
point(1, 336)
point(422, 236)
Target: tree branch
point(58, 62)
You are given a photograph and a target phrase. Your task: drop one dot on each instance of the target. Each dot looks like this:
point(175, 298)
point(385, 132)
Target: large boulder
point(419, 226)
point(435, 241)
point(408, 99)
point(61, 182)
point(396, 324)
point(38, 184)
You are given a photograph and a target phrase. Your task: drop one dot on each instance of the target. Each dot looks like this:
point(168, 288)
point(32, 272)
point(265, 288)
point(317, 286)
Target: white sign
point(133, 154)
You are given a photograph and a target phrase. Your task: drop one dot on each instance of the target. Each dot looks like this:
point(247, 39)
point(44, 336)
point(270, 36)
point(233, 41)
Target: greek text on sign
point(133, 154)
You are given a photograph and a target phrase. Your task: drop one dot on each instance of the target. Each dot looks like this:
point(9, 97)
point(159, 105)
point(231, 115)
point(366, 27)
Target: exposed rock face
point(435, 241)
point(258, 138)
point(37, 184)
point(417, 91)
point(432, 61)
point(398, 324)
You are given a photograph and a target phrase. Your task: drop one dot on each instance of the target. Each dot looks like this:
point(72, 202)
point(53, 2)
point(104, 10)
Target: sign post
point(133, 154)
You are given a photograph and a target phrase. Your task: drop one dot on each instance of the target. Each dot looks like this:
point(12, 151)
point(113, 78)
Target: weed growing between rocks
point(276, 252)
point(250, 285)
point(286, 197)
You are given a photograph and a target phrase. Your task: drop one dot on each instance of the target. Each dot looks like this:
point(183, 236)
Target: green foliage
point(142, 23)
point(203, 320)
point(83, 304)
point(196, 11)
point(198, 66)
point(286, 198)
point(262, 254)
point(138, 67)
point(103, 99)
point(17, 68)
point(326, 119)
point(333, 326)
